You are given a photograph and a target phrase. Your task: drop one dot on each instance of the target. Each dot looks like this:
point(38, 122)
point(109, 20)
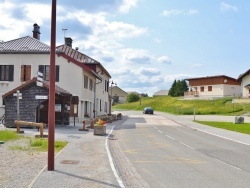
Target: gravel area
point(19, 167)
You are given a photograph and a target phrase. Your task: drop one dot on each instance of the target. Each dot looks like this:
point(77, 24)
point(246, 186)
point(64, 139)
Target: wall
point(27, 105)
point(245, 81)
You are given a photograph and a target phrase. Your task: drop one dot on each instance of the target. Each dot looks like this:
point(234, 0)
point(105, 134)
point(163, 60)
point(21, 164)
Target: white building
point(213, 87)
point(82, 76)
point(245, 83)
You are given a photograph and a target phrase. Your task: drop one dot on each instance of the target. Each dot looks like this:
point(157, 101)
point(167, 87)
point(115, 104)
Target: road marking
point(111, 161)
point(223, 137)
point(159, 131)
point(170, 137)
point(237, 168)
point(133, 150)
point(186, 145)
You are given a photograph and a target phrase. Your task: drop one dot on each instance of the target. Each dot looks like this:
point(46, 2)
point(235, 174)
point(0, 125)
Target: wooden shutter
point(28, 72)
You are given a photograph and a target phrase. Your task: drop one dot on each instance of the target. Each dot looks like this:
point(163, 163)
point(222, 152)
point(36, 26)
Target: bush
point(133, 98)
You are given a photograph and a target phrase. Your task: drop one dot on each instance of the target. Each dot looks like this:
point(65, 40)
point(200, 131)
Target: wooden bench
point(40, 125)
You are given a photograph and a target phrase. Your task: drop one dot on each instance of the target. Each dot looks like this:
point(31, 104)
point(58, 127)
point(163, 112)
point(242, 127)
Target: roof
point(205, 77)
point(161, 92)
point(76, 56)
point(58, 90)
point(116, 87)
point(243, 75)
point(24, 45)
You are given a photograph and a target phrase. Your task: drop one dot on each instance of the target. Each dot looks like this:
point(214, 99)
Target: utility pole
point(51, 112)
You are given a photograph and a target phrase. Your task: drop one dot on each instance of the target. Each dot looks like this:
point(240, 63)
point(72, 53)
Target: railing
point(189, 93)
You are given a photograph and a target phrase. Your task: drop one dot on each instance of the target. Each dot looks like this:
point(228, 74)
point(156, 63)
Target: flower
point(100, 122)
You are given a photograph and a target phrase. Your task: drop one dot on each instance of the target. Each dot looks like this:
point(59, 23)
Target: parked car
point(148, 110)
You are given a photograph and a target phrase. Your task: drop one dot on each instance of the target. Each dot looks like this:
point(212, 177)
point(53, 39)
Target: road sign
point(41, 97)
point(39, 79)
point(19, 94)
point(39, 74)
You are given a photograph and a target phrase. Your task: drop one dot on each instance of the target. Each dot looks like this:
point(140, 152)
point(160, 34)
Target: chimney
point(36, 31)
point(68, 41)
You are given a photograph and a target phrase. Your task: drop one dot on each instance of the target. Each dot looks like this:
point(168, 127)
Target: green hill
point(175, 105)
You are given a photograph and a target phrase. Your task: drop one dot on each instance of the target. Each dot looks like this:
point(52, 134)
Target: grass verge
point(36, 144)
point(241, 128)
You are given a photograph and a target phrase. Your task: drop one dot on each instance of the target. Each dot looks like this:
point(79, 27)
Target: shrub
point(133, 98)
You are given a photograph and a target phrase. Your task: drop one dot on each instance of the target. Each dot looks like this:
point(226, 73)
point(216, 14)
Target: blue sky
point(144, 44)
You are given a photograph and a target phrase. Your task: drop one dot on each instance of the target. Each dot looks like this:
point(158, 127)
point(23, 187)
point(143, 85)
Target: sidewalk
point(82, 163)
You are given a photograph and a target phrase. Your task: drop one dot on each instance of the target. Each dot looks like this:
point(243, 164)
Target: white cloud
point(180, 12)
point(227, 7)
point(131, 55)
point(147, 71)
point(164, 59)
point(127, 5)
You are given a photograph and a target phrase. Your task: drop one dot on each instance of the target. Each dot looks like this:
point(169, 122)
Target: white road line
point(159, 131)
point(223, 137)
point(111, 161)
point(186, 145)
point(228, 164)
point(170, 137)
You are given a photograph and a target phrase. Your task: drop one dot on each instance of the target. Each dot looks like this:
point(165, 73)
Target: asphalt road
point(167, 154)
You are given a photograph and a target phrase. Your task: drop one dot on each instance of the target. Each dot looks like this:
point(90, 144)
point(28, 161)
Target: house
point(161, 93)
point(32, 104)
point(245, 83)
point(117, 94)
point(80, 75)
point(212, 87)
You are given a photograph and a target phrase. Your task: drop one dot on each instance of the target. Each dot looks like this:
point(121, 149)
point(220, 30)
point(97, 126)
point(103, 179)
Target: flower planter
point(99, 130)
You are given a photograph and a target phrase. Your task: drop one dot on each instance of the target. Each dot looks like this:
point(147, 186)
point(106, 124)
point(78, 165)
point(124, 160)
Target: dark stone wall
point(27, 105)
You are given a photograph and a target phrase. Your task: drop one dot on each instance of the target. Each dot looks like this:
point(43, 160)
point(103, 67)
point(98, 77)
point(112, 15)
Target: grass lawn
point(241, 128)
point(176, 105)
point(37, 144)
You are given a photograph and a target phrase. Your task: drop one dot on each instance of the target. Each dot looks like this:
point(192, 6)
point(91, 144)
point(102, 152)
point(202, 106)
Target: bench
point(40, 125)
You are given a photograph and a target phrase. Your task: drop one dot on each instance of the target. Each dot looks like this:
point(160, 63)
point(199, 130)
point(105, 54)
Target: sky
point(144, 44)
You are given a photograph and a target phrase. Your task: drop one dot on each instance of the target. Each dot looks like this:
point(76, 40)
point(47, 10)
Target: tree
point(178, 88)
point(132, 97)
point(144, 94)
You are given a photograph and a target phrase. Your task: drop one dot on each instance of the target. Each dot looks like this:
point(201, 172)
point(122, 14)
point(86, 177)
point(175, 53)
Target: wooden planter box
point(99, 130)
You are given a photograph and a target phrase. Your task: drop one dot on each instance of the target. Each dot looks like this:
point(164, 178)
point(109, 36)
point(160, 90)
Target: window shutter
point(11, 73)
point(28, 72)
point(57, 73)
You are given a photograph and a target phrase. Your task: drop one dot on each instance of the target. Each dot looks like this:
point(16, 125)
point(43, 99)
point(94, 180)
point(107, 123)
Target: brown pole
point(51, 111)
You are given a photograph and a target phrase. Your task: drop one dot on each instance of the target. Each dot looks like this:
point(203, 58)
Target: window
point(25, 73)
point(6, 72)
point(86, 79)
point(90, 84)
point(45, 69)
point(209, 88)
point(100, 105)
point(106, 107)
point(202, 89)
